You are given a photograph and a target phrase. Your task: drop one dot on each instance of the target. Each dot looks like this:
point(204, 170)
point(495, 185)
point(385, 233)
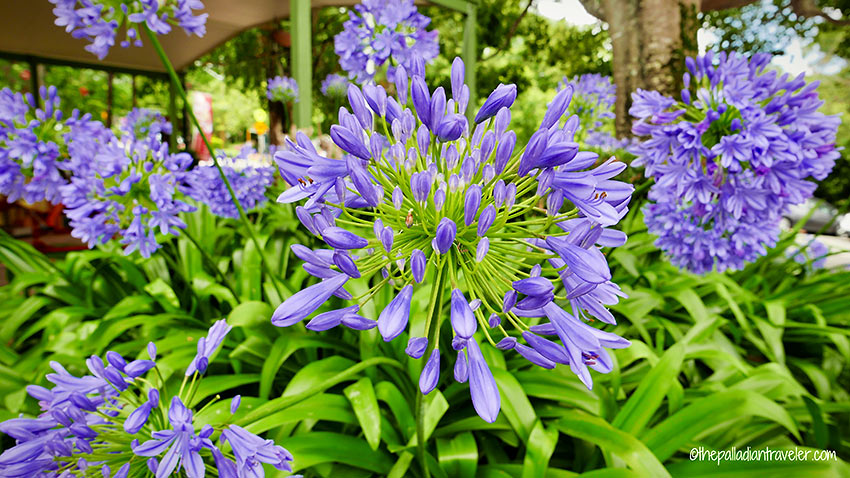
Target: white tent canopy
point(28, 33)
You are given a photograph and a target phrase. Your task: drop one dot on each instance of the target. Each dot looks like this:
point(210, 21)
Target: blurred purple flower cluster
point(381, 30)
point(99, 21)
point(31, 150)
point(249, 179)
point(334, 86)
point(729, 158)
point(282, 88)
point(129, 185)
point(594, 96)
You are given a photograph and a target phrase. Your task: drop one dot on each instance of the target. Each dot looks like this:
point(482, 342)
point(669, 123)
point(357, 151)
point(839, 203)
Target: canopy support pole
point(109, 98)
point(302, 61)
point(34, 80)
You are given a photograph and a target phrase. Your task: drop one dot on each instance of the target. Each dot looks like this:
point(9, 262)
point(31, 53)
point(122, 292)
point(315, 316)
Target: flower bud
point(416, 347)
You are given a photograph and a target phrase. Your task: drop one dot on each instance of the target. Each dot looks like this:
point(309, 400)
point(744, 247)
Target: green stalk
point(179, 87)
point(432, 331)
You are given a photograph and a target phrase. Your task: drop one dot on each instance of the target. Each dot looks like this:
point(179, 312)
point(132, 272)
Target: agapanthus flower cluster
point(282, 88)
point(248, 177)
point(812, 254)
point(729, 158)
point(423, 199)
point(380, 32)
point(30, 153)
point(334, 86)
point(594, 96)
point(125, 185)
point(141, 123)
point(119, 421)
point(99, 21)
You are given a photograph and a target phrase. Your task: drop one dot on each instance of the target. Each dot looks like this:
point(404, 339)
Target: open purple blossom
point(31, 149)
point(141, 123)
point(249, 178)
point(334, 86)
point(454, 213)
point(741, 146)
point(99, 21)
point(282, 88)
point(384, 32)
point(130, 186)
point(119, 407)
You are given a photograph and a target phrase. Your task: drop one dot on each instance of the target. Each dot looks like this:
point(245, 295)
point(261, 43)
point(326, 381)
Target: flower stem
point(432, 331)
point(180, 91)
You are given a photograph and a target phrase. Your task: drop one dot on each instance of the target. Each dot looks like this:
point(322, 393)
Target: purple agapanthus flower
point(207, 345)
point(740, 147)
point(593, 99)
point(129, 185)
point(334, 86)
point(248, 176)
point(282, 88)
point(31, 149)
point(380, 32)
point(99, 21)
point(252, 451)
point(455, 207)
point(118, 408)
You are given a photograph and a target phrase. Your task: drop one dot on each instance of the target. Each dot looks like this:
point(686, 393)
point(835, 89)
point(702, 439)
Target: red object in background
point(56, 237)
point(25, 75)
point(84, 91)
point(282, 37)
point(202, 106)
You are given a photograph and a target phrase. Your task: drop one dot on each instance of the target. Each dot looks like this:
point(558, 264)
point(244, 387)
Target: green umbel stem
point(179, 87)
point(432, 331)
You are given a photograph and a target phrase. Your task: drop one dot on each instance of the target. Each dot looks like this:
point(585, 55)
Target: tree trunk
point(277, 123)
point(650, 40)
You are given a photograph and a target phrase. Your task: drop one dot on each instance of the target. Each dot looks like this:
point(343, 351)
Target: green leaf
point(515, 404)
point(283, 348)
point(388, 393)
point(458, 456)
point(290, 398)
point(330, 407)
point(24, 312)
point(599, 432)
point(538, 451)
point(611, 473)
point(162, 292)
point(361, 394)
point(313, 448)
point(316, 372)
point(688, 423)
point(692, 303)
point(821, 432)
point(644, 402)
point(435, 407)
point(249, 313)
